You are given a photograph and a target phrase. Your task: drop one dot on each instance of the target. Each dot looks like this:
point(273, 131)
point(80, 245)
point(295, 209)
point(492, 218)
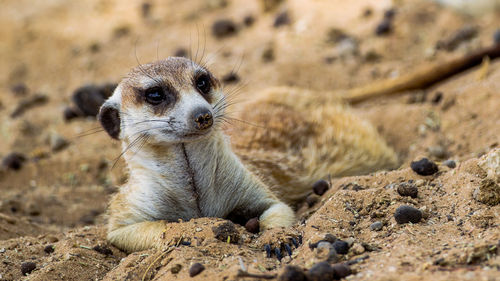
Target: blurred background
point(50, 49)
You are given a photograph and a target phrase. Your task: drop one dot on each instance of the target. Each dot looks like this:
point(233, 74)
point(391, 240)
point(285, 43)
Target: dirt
point(58, 197)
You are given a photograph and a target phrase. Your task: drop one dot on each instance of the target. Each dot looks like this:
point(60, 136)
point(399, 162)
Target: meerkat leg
point(137, 236)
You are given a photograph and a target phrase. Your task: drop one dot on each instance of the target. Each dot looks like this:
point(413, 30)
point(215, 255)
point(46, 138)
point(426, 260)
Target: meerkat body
point(168, 116)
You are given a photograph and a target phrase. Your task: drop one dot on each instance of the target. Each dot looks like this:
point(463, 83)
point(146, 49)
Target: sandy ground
point(57, 200)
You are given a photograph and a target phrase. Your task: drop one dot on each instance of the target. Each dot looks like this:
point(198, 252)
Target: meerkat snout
point(203, 118)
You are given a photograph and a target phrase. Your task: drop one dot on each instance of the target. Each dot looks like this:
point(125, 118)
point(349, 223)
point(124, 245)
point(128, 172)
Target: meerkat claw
point(288, 249)
point(294, 242)
point(267, 247)
point(277, 251)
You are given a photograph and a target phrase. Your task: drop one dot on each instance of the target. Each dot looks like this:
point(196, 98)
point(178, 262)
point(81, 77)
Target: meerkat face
point(169, 101)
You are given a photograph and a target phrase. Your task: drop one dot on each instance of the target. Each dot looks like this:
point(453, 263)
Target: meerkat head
point(169, 101)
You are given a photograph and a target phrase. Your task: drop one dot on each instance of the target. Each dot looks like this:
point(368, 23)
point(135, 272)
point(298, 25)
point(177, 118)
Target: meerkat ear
point(109, 116)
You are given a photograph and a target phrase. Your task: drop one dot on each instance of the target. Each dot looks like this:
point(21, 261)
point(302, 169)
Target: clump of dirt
point(58, 171)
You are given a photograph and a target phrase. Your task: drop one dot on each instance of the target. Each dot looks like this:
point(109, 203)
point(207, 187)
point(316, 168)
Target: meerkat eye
point(155, 95)
point(203, 84)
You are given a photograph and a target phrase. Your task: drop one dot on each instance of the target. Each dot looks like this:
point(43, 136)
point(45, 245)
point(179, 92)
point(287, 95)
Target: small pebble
point(282, 19)
point(424, 167)
point(181, 52)
point(320, 187)
point(27, 267)
point(406, 214)
point(330, 238)
point(103, 250)
point(376, 226)
point(293, 273)
point(89, 98)
point(312, 199)
point(384, 27)
point(389, 14)
point(253, 225)
point(326, 252)
point(14, 161)
point(496, 36)
point(341, 270)
point(176, 268)
point(357, 249)
point(70, 113)
point(341, 247)
point(49, 249)
point(450, 164)
point(438, 96)
point(19, 89)
point(230, 78)
point(248, 20)
point(407, 189)
point(223, 28)
point(57, 142)
point(268, 54)
point(146, 9)
point(321, 271)
point(196, 269)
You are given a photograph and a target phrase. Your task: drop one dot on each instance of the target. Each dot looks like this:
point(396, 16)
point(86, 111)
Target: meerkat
point(182, 163)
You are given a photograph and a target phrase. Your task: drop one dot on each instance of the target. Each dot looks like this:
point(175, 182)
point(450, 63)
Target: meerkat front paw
point(279, 242)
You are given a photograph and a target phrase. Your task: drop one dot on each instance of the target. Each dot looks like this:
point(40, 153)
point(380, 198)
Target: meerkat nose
point(202, 118)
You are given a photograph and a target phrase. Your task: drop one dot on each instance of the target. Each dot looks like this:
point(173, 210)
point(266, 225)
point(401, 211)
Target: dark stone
point(253, 225)
point(71, 113)
point(384, 27)
point(376, 226)
point(438, 96)
point(389, 14)
point(49, 249)
point(312, 199)
point(223, 28)
point(424, 167)
point(248, 20)
point(282, 19)
point(230, 78)
point(407, 189)
point(268, 55)
point(406, 214)
point(321, 271)
point(341, 270)
point(19, 89)
point(89, 98)
point(196, 269)
point(27, 267)
point(330, 238)
point(293, 273)
point(225, 230)
point(14, 161)
point(181, 52)
point(103, 250)
point(146, 9)
point(341, 247)
point(320, 187)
